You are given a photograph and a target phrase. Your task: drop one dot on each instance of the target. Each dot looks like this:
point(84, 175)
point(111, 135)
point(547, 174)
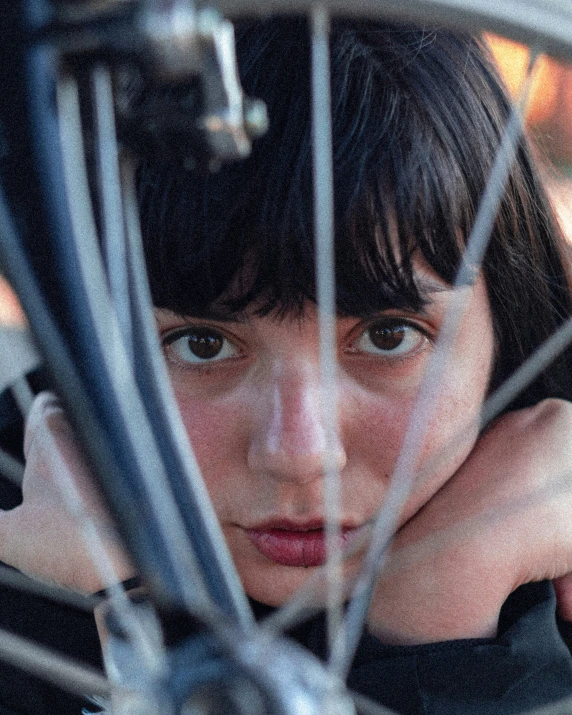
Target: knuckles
point(534, 438)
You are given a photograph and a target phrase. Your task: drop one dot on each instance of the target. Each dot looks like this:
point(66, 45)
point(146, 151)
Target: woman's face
point(249, 394)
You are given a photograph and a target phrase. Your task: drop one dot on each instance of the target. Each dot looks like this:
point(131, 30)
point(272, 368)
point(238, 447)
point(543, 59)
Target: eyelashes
point(390, 337)
point(201, 345)
point(198, 345)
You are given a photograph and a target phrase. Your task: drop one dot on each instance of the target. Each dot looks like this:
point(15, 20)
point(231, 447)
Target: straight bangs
point(413, 145)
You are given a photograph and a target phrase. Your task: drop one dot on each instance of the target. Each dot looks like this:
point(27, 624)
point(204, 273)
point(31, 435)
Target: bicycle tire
point(534, 22)
point(543, 23)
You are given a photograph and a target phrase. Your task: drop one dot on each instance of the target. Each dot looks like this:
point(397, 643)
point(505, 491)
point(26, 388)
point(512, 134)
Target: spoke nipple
point(255, 117)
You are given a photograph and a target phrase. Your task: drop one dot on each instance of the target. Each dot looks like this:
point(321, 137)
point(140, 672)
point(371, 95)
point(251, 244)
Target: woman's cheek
point(373, 428)
point(450, 437)
point(213, 428)
point(378, 420)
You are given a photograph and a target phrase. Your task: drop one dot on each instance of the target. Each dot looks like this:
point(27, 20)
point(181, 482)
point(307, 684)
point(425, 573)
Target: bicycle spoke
point(101, 558)
point(326, 300)
point(406, 469)
point(129, 289)
point(216, 563)
point(366, 706)
point(527, 372)
point(562, 707)
point(13, 579)
point(109, 192)
point(45, 663)
point(22, 394)
point(11, 468)
point(151, 467)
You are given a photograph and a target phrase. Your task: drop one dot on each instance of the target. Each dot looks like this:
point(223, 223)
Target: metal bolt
point(209, 22)
point(255, 117)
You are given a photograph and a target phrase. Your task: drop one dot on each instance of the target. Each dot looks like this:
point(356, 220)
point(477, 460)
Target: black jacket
point(527, 665)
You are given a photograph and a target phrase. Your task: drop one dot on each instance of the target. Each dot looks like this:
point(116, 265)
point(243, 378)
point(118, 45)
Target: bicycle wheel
point(130, 429)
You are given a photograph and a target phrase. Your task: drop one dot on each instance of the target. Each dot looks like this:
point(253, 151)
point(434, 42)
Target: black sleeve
point(527, 665)
point(64, 629)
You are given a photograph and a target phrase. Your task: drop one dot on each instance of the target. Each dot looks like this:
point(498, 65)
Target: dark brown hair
point(417, 119)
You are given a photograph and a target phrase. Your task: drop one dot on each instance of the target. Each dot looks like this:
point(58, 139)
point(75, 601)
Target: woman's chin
point(271, 571)
point(277, 585)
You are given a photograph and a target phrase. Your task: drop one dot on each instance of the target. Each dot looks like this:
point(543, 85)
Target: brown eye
point(204, 344)
point(197, 345)
point(387, 337)
point(390, 338)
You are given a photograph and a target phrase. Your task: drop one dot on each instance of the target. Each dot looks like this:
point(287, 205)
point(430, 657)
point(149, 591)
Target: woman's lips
point(294, 546)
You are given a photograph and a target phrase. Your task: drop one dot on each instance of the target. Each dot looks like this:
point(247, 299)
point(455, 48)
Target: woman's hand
point(504, 519)
point(45, 535)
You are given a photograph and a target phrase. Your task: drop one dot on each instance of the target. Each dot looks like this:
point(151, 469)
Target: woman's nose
point(289, 439)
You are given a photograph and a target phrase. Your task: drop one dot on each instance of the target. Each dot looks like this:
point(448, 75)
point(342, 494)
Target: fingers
point(501, 520)
point(61, 532)
point(56, 467)
point(45, 406)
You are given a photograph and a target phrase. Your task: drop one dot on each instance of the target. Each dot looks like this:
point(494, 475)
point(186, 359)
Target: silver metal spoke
point(562, 707)
point(13, 579)
point(406, 469)
point(100, 557)
point(109, 192)
point(132, 302)
point(527, 372)
point(147, 344)
point(18, 357)
point(52, 667)
point(22, 394)
point(326, 300)
point(530, 369)
point(133, 305)
point(168, 519)
point(558, 487)
point(366, 706)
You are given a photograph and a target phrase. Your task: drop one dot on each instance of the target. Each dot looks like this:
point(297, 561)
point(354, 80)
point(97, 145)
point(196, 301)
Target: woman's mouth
point(295, 545)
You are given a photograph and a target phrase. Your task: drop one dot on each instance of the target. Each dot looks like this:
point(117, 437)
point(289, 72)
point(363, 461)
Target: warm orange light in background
point(513, 60)
point(550, 106)
point(549, 114)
